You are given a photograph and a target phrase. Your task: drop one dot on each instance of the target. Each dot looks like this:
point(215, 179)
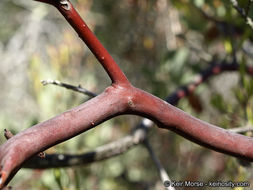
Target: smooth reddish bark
point(74, 19)
point(203, 133)
point(119, 98)
point(22, 146)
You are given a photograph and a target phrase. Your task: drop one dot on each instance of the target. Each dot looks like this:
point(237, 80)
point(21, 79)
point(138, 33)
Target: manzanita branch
point(44, 135)
point(120, 98)
point(106, 60)
point(101, 153)
point(140, 131)
point(9, 135)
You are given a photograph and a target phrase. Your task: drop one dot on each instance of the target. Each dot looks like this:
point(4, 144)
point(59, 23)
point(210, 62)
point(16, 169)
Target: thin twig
point(162, 172)
point(242, 129)
point(78, 88)
point(8, 188)
point(243, 13)
point(248, 7)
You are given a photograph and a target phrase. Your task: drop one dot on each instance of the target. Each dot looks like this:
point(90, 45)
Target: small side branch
point(78, 88)
point(242, 12)
point(203, 76)
point(162, 172)
point(101, 153)
point(241, 129)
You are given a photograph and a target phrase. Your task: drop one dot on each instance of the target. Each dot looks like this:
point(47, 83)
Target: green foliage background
point(160, 45)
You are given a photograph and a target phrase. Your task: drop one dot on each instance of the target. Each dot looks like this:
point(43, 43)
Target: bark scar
point(65, 4)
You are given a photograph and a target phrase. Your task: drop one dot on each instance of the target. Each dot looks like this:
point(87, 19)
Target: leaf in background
point(35, 72)
point(195, 102)
point(248, 85)
point(249, 115)
point(228, 46)
point(240, 96)
point(218, 102)
point(57, 176)
point(242, 69)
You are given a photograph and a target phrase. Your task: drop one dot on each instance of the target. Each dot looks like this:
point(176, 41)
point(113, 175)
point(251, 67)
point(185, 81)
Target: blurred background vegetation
point(160, 45)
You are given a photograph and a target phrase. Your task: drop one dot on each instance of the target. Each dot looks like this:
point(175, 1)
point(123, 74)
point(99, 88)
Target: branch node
point(65, 4)
point(130, 103)
point(42, 155)
point(7, 134)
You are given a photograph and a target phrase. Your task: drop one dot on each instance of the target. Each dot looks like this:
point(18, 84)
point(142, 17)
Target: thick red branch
point(205, 134)
point(24, 145)
point(120, 98)
point(106, 60)
point(115, 101)
point(122, 145)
